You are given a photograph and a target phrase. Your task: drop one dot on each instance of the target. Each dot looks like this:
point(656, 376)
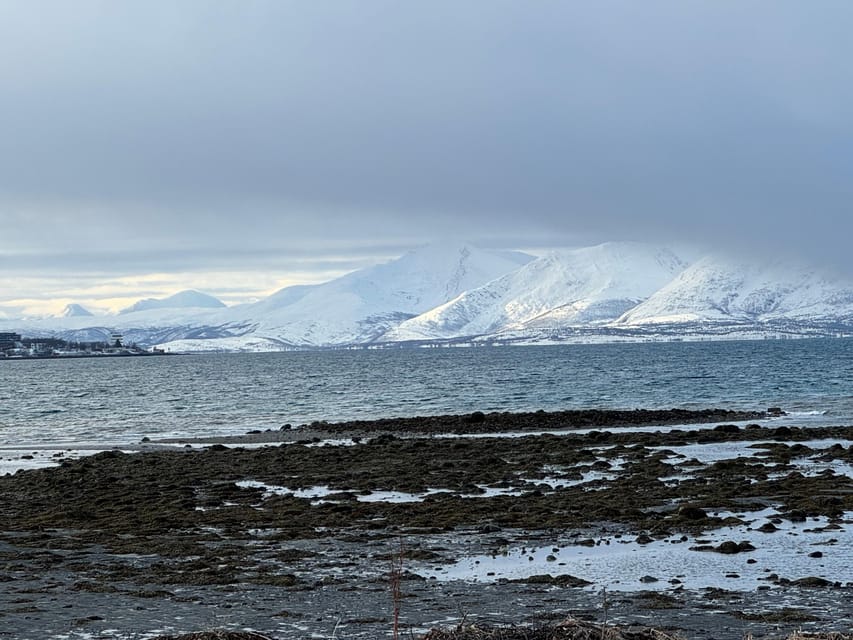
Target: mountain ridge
point(590, 284)
point(460, 294)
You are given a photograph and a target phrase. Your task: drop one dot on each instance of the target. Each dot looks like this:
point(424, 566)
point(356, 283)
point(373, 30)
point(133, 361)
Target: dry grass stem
point(395, 578)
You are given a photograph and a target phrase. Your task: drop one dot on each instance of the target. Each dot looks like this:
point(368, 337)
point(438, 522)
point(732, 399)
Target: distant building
point(9, 341)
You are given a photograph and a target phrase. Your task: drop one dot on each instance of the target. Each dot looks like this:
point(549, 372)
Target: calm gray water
point(124, 399)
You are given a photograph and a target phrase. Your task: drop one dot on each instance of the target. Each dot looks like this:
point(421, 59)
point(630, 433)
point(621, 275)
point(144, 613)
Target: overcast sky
point(238, 146)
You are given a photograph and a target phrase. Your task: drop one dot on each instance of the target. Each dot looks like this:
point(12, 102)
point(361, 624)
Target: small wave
point(45, 412)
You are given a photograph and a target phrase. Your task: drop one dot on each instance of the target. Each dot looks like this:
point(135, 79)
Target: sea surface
point(121, 400)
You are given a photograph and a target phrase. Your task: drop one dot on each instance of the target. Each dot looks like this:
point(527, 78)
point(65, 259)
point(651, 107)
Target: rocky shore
point(294, 533)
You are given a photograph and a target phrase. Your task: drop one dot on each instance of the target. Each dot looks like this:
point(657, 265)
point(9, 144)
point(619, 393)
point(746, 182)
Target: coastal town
point(15, 347)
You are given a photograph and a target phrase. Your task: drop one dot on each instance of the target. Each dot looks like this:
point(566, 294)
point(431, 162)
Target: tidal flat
point(705, 524)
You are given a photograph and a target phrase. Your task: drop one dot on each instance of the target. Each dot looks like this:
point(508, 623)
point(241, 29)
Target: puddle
point(311, 493)
point(333, 442)
point(718, 451)
point(318, 493)
point(811, 467)
point(550, 483)
point(397, 496)
point(587, 470)
point(322, 491)
point(13, 460)
point(619, 564)
point(491, 492)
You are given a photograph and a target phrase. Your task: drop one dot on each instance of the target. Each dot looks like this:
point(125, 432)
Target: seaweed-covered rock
point(564, 580)
point(728, 547)
point(566, 630)
point(812, 581)
point(215, 635)
point(689, 512)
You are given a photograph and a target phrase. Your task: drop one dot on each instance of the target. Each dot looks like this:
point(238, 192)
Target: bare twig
point(396, 577)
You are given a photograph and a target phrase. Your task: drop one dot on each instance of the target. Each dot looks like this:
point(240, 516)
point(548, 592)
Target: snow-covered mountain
point(74, 310)
point(716, 290)
point(189, 299)
point(592, 285)
point(361, 306)
point(459, 294)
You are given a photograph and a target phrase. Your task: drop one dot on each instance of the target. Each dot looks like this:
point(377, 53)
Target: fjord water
point(120, 400)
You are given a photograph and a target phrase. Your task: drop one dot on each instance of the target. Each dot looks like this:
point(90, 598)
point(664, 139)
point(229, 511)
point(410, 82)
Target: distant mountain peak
point(74, 310)
point(188, 299)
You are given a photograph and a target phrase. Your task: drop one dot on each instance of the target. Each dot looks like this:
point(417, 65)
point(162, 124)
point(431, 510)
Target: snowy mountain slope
point(249, 343)
point(282, 298)
point(564, 288)
point(361, 306)
point(716, 289)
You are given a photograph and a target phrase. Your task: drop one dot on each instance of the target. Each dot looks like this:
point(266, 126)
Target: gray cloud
point(183, 132)
point(95, 264)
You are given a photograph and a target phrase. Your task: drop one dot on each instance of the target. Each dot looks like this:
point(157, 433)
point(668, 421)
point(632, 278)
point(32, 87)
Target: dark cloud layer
point(227, 128)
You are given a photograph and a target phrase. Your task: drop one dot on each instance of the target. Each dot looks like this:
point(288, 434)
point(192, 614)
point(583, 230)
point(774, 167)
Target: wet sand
point(292, 533)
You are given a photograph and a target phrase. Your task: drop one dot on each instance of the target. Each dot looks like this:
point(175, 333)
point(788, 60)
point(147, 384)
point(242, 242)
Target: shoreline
point(297, 539)
point(87, 355)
